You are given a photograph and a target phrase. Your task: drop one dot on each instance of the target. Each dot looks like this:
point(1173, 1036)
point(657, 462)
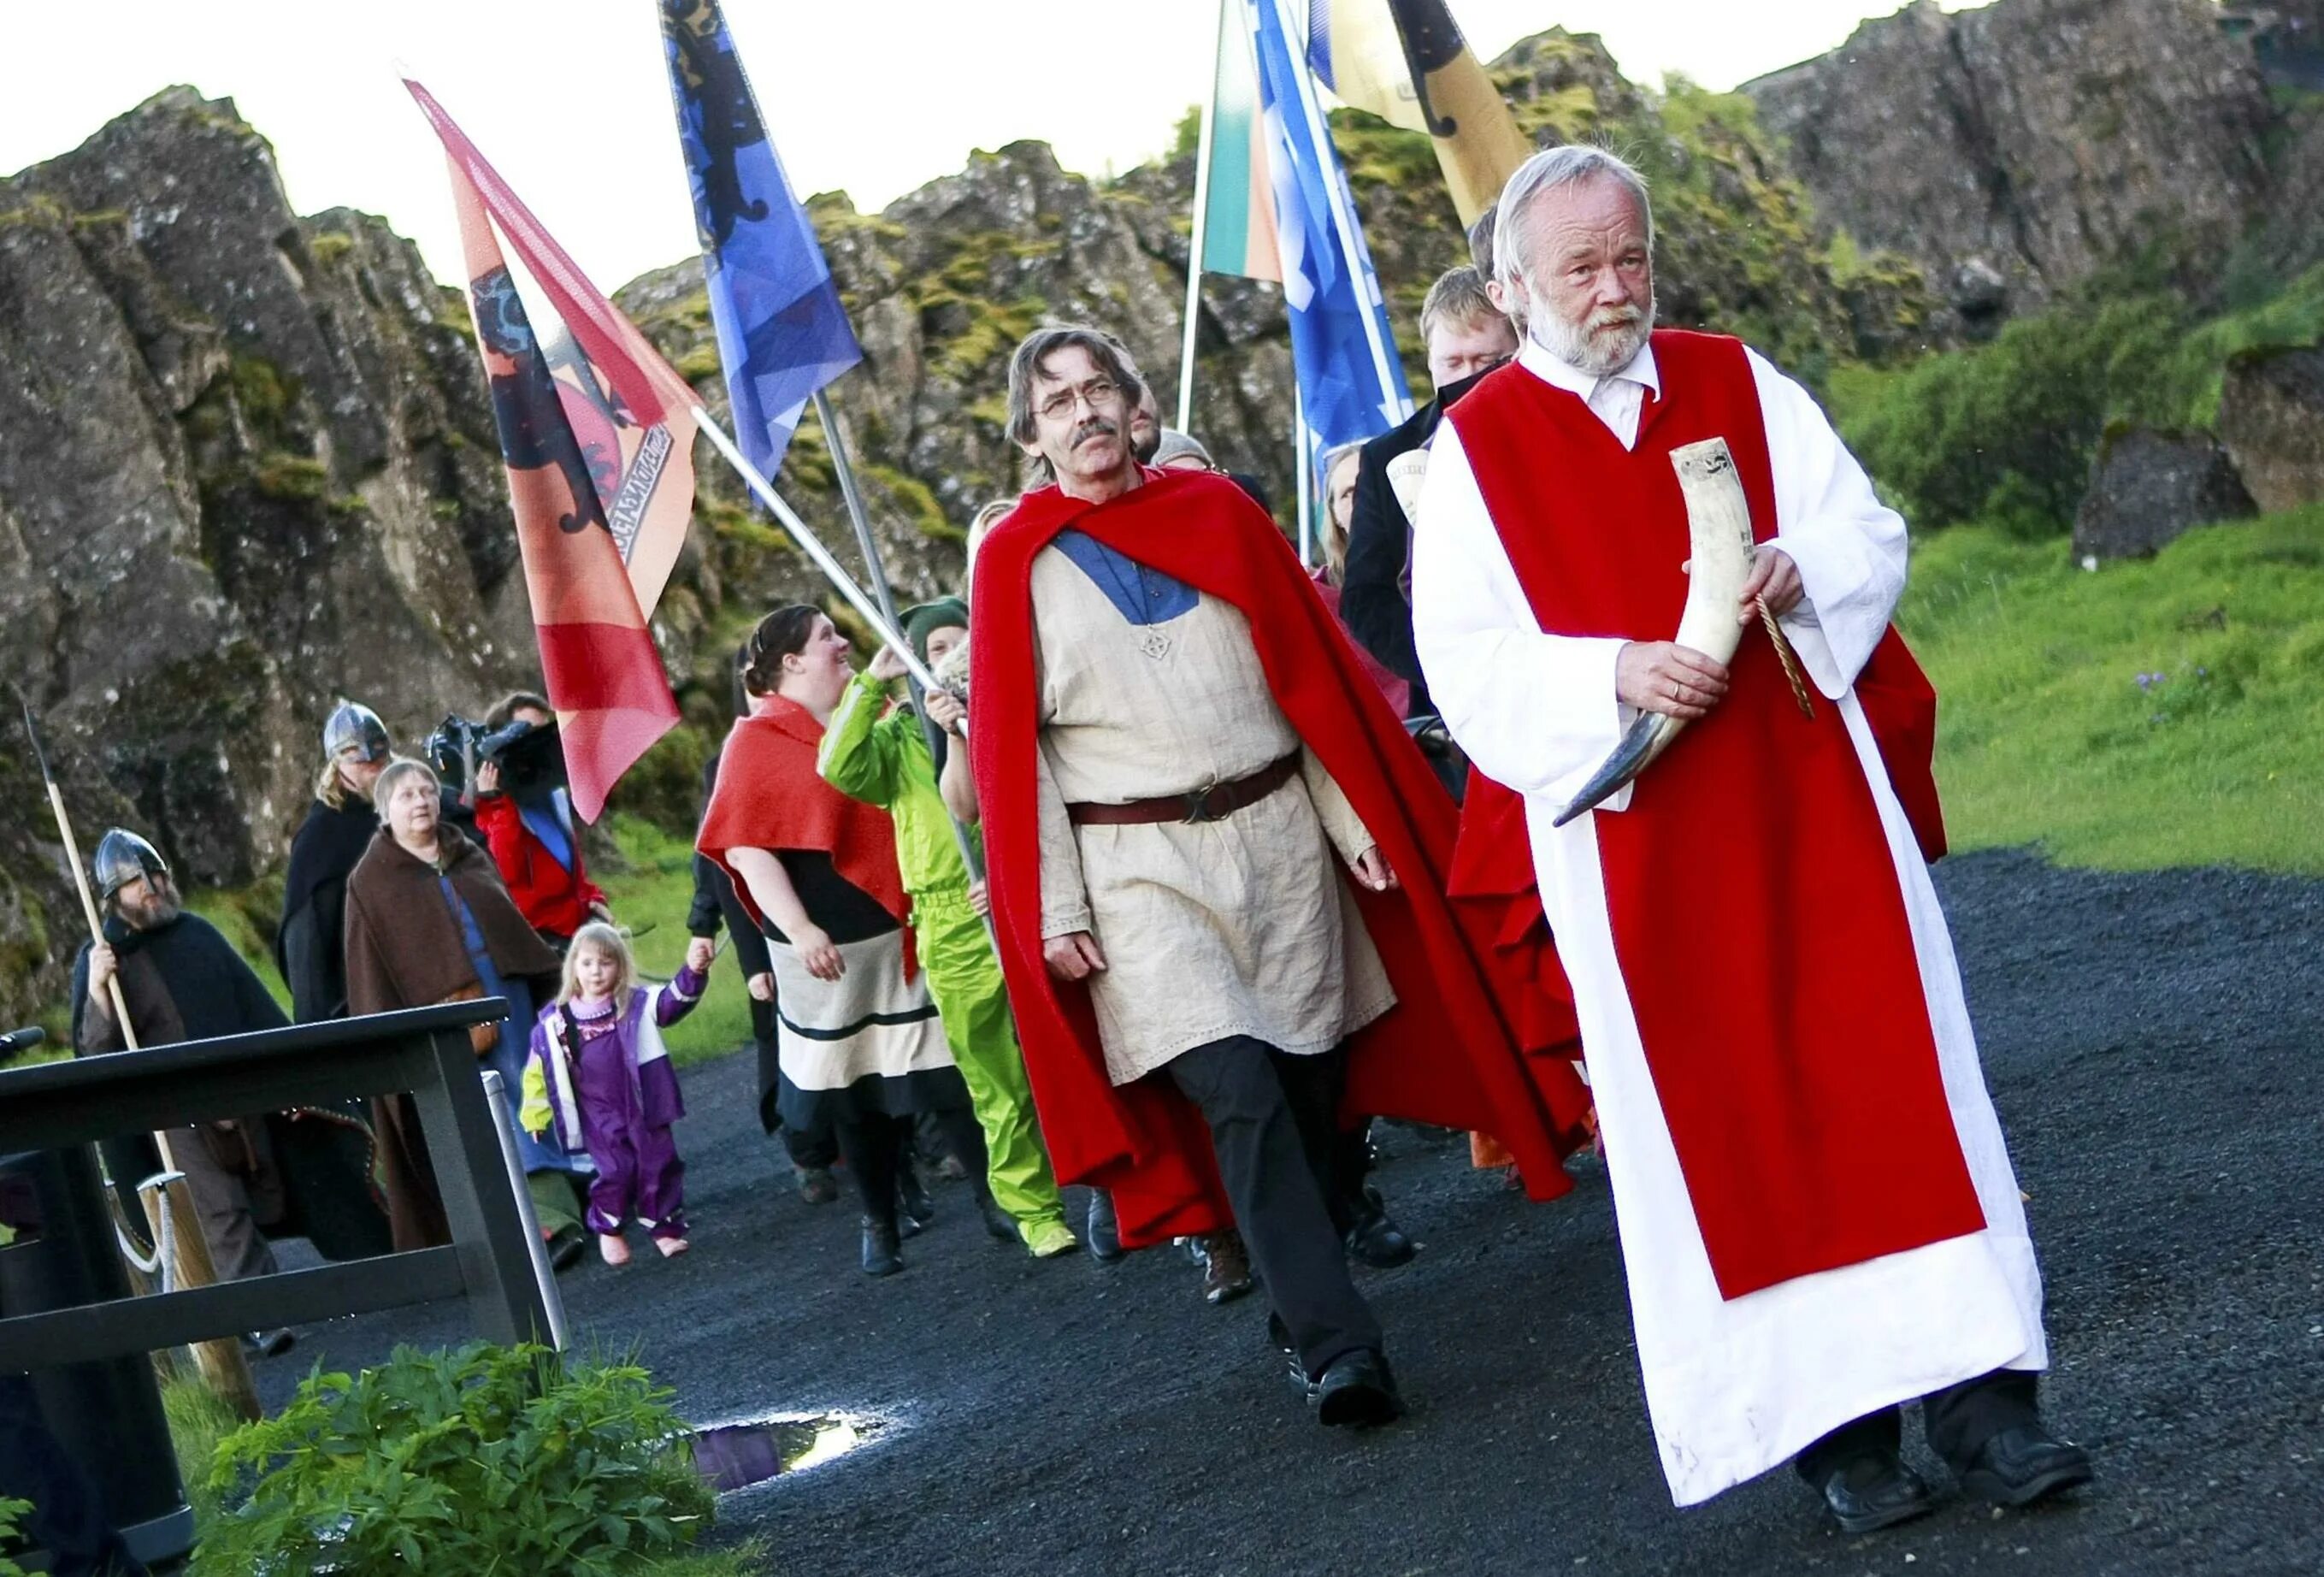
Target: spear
point(222, 1363)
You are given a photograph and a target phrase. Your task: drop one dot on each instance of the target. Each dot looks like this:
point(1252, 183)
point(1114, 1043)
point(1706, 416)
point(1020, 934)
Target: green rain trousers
point(885, 761)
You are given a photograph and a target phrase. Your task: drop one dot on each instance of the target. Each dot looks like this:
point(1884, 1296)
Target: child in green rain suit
point(884, 761)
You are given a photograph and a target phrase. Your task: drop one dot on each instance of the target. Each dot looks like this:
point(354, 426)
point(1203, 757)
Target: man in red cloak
point(1217, 867)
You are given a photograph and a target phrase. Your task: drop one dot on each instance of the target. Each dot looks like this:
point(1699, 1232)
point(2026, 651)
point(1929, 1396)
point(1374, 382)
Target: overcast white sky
point(569, 98)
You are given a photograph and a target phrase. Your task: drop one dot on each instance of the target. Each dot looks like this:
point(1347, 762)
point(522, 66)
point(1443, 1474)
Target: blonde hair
point(397, 770)
point(982, 525)
point(603, 938)
point(1331, 534)
point(330, 788)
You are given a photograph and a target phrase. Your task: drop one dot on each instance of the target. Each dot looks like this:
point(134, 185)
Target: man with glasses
point(1177, 756)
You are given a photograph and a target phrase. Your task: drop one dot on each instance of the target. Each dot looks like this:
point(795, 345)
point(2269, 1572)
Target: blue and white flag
point(1350, 379)
point(782, 331)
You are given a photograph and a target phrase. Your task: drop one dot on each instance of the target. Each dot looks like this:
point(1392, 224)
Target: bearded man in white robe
point(1818, 1216)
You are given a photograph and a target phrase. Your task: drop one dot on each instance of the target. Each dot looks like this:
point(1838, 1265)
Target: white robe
point(1735, 1386)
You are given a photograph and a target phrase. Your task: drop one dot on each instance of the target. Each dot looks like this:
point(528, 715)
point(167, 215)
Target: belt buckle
point(1198, 803)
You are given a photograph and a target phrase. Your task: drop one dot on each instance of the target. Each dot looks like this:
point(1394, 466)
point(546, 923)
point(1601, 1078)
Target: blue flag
point(782, 332)
point(1350, 379)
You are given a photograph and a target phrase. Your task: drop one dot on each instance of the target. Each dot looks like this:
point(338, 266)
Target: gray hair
point(1548, 171)
point(1039, 346)
point(395, 772)
point(1175, 445)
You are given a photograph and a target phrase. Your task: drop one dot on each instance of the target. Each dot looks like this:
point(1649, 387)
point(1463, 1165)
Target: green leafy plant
point(12, 1512)
point(487, 1461)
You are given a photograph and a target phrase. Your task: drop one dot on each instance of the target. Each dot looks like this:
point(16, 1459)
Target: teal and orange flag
point(1238, 222)
point(597, 435)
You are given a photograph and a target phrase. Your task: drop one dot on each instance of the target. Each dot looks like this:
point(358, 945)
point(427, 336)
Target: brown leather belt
point(1213, 804)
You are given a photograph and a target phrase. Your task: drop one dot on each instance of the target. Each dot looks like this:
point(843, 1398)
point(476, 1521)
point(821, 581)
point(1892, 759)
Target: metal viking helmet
point(122, 857)
point(356, 726)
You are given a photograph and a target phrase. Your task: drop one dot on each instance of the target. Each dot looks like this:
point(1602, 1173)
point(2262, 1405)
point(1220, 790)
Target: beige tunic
point(1243, 925)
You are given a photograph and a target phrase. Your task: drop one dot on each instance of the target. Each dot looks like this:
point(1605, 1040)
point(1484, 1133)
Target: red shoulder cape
point(769, 796)
point(1441, 1056)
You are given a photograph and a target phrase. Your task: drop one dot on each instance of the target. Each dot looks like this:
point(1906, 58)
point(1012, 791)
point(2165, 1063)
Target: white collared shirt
point(1617, 399)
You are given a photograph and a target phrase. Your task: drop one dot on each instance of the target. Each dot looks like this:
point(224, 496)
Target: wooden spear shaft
point(222, 1365)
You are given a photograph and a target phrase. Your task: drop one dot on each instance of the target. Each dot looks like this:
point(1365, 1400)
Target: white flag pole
point(869, 546)
point(1201, 227)
point(1300, 443)
point(812, 545)
point(1342, 219)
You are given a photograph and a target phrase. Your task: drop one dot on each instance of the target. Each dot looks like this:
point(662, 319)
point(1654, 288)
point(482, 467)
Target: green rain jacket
point(885, 761)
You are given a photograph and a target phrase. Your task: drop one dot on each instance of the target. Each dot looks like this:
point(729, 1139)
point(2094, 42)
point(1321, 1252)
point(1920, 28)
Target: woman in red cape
point(1442, 1056)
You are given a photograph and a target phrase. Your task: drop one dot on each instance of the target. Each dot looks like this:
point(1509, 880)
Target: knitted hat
point(920, 623)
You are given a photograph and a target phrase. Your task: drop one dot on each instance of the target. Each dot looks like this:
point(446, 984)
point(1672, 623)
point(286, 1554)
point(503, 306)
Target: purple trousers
point(639, 1176)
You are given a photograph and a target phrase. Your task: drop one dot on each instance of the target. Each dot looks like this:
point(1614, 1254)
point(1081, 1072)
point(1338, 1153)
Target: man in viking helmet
point(309, 944)
point(250, 1176)
point(1819, 1218)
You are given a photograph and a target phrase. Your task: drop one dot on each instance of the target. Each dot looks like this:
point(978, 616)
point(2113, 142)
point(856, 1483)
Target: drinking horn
point(1406, 475)
point(1719, 532)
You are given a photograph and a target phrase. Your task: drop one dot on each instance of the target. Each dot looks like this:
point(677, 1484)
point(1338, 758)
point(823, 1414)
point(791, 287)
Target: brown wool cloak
point(404, 950)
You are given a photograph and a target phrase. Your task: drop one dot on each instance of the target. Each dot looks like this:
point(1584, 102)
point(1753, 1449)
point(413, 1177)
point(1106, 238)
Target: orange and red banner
point(595, 433)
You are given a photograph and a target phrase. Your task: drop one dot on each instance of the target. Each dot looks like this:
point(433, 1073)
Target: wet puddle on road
point(735, 1456)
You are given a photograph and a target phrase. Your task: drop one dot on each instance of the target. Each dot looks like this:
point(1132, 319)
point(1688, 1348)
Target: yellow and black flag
point(1406, 62)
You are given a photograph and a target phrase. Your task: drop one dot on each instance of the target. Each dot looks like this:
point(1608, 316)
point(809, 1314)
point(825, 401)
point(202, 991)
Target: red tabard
point(769, 796)
point(1756, 916)
point(1442, 1055)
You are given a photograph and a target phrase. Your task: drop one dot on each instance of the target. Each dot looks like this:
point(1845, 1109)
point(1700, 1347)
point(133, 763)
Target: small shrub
point(12, 1512)
point(484, 1460)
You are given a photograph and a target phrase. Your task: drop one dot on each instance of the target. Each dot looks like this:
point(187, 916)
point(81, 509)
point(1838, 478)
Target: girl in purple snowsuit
point(599, 1080)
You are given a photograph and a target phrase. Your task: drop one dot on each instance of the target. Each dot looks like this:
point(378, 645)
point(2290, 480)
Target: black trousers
point(1958, 1420)
point(1273, 1122)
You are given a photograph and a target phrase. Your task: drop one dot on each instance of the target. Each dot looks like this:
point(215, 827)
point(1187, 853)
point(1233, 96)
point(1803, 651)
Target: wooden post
point(225, 1369)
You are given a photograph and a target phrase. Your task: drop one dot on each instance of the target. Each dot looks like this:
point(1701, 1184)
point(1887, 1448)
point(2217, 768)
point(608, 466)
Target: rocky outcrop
point(2018, 149)
point(2149, 487)
point(2272, 421)
point(248, 466)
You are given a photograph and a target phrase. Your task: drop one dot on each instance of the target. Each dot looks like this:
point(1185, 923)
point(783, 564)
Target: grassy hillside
point(2160, 713)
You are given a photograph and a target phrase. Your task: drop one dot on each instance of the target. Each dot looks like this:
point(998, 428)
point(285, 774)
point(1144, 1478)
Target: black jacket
point(1373, 600)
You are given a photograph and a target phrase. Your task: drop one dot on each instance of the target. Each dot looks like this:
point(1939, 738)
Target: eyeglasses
point(1098, 392)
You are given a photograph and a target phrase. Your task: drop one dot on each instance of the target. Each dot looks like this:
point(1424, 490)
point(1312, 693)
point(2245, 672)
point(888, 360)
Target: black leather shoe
point(269, 1343)
point(1356, 1390)
point(915, 1209)
point(2024, 1464)
point(566, 1248)
point(880, 1257)
point(1874, 1492)
point(1226, 1267)
point(998, 1222)
point(1374, 1240)
point(816, 1185)
point(1102, 1235)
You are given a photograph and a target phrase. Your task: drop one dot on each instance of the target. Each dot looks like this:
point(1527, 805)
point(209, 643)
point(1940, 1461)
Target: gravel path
point(2151, 1040)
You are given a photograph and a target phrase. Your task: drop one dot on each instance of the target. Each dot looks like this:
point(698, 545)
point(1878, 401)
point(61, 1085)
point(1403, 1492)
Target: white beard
point(1601, 354)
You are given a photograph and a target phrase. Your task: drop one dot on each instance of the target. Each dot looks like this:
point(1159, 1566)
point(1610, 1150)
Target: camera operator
point(526, 815)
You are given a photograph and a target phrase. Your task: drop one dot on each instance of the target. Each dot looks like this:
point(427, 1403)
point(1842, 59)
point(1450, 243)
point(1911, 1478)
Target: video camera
point(531, 759)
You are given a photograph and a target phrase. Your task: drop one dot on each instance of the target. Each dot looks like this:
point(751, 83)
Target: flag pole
point(812, 545)
point(1201, 227)
point(869, 547)
point(1335, 192)
point(1299, 447)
